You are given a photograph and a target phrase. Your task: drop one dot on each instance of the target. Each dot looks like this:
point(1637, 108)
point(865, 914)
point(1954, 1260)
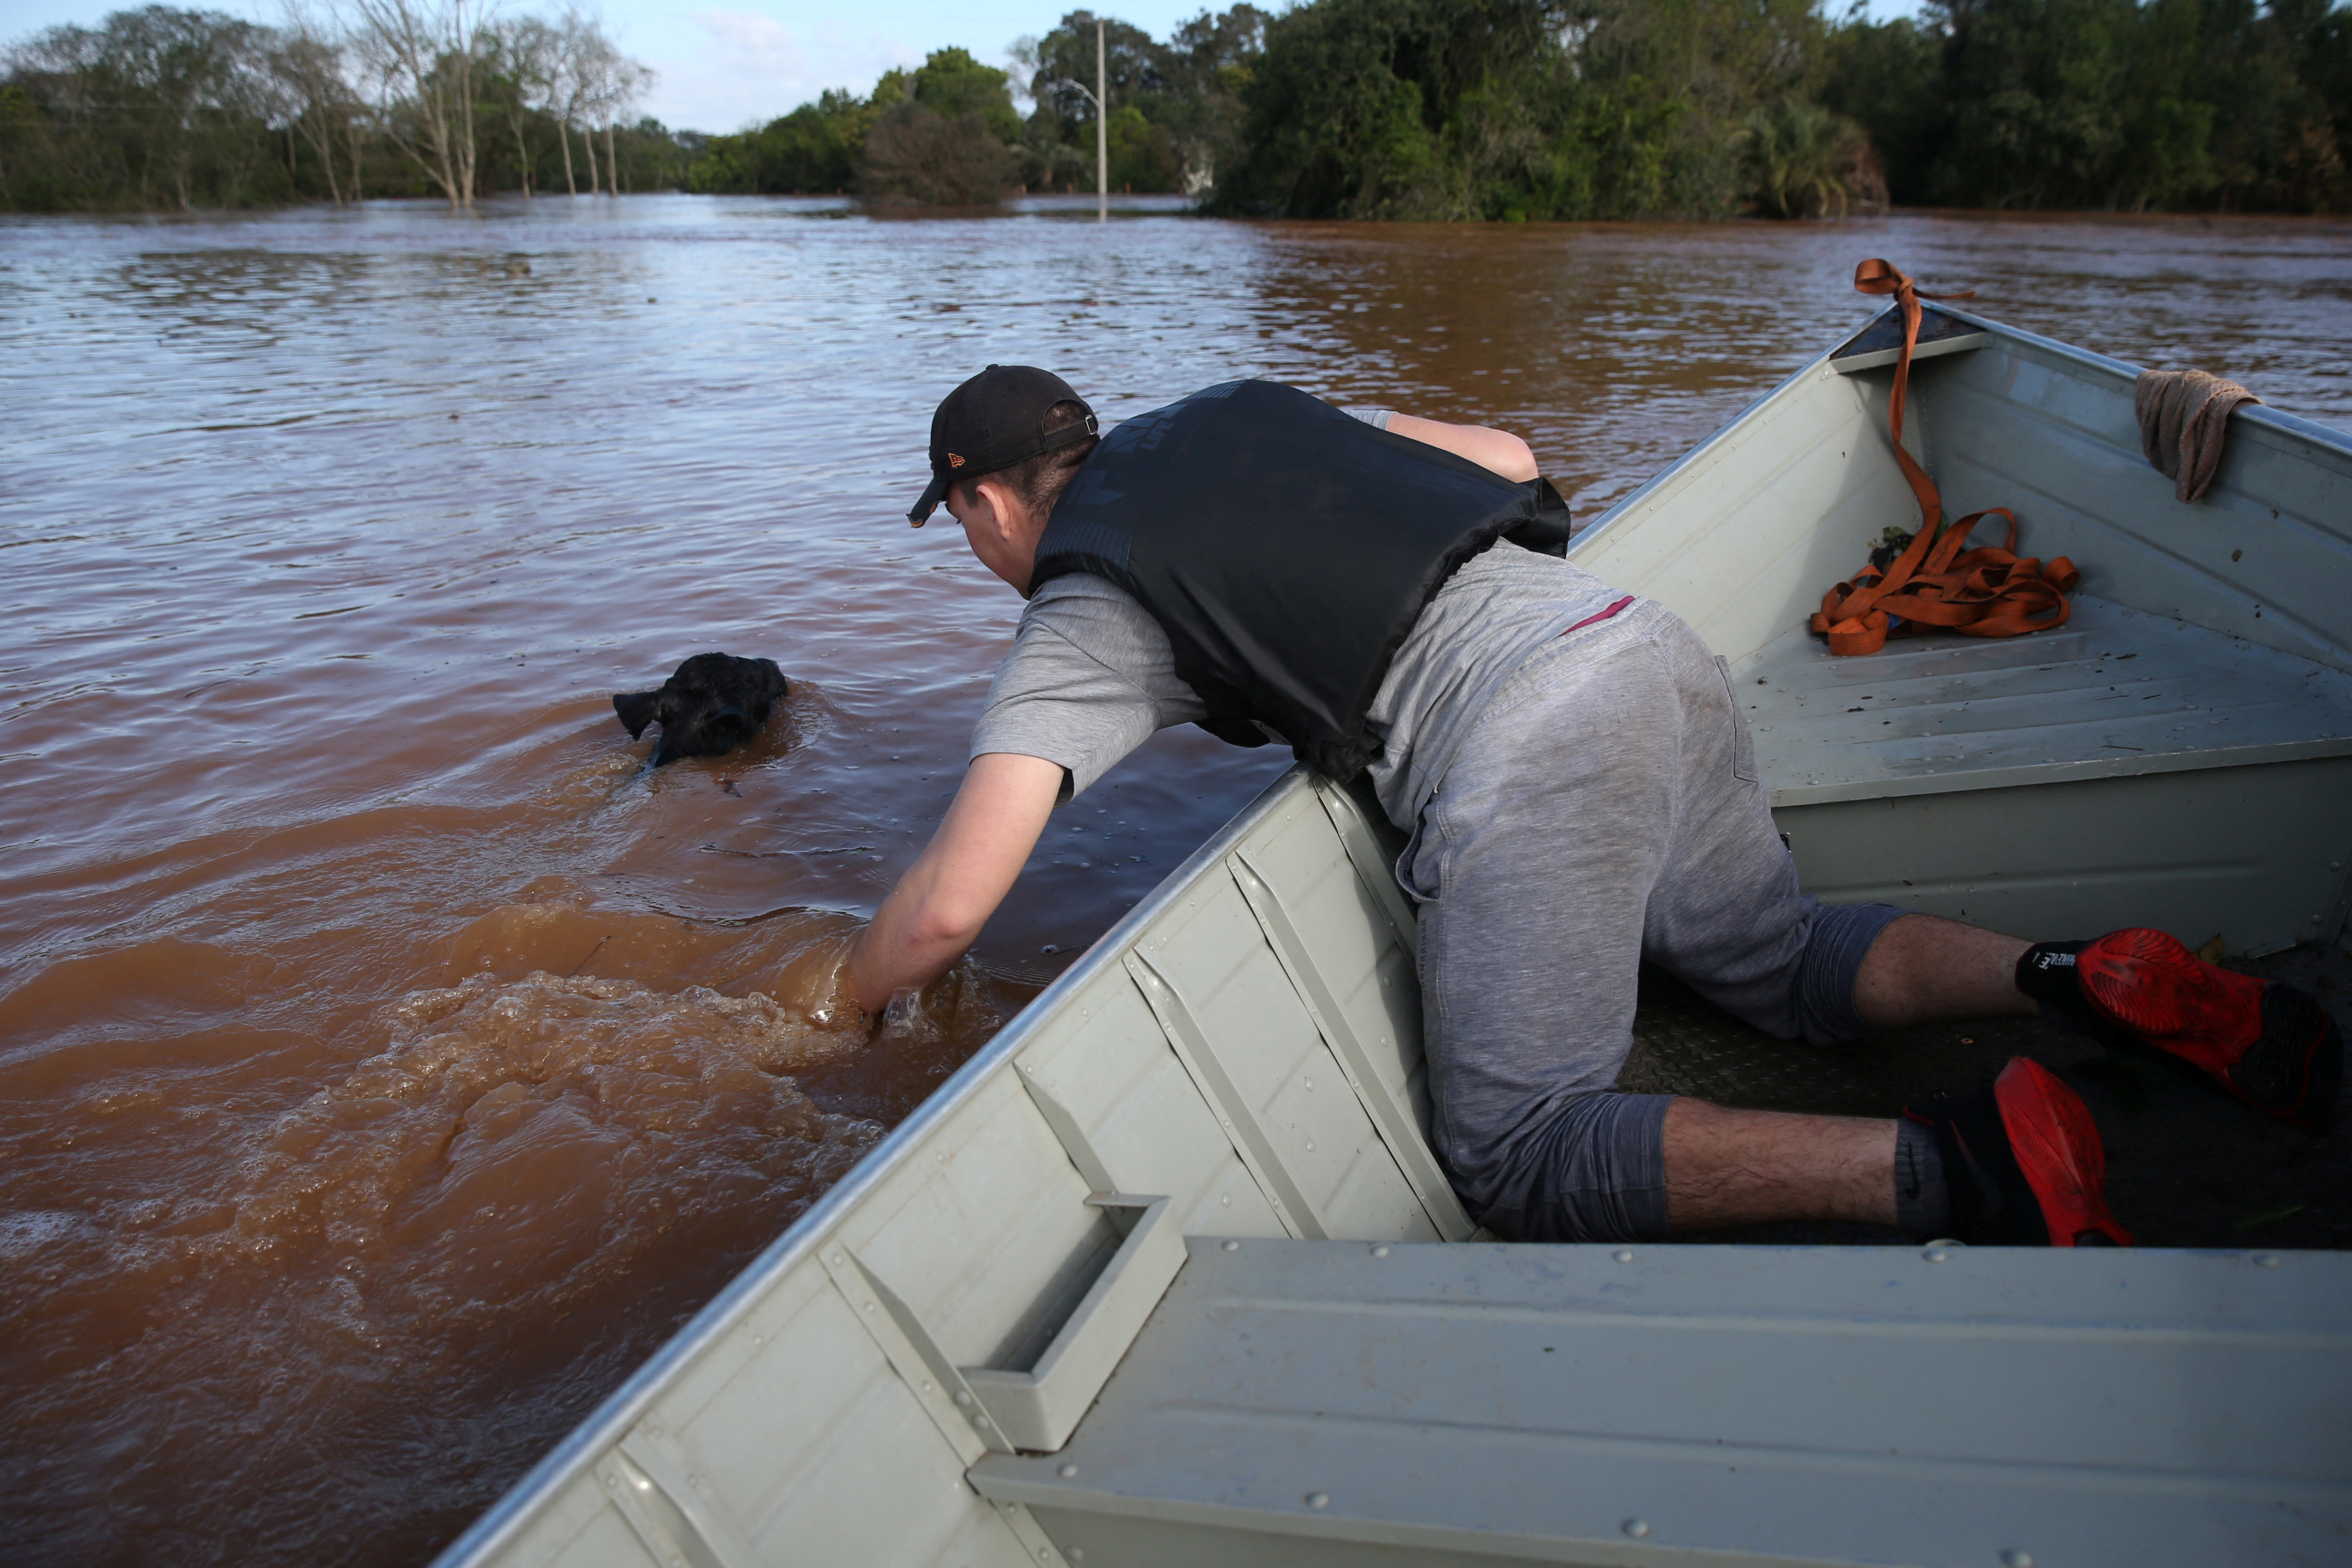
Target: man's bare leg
point(1746, 1167)
point(1924, 967)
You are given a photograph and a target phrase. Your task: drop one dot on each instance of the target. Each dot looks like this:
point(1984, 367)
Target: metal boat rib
point(1167, 1273)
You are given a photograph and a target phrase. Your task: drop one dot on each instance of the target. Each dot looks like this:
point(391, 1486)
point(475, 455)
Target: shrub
point(916, 155)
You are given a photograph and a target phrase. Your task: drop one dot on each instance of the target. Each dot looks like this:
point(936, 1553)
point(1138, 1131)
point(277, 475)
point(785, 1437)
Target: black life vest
point(1286, 548)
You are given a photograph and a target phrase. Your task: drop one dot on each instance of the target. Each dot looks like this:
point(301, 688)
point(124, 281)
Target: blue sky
point(737, 62)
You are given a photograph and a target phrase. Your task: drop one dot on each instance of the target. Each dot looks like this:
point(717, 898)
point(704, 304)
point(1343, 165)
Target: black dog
point(713, 704)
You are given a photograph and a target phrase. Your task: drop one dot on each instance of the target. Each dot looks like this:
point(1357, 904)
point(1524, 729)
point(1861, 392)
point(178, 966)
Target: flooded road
point(388, 1058)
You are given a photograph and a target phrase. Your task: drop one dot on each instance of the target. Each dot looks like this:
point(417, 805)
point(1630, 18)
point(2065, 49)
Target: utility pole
point(1099, 96)
point(1102, 130)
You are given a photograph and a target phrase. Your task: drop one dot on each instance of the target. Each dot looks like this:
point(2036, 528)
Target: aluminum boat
point(1168, 1273)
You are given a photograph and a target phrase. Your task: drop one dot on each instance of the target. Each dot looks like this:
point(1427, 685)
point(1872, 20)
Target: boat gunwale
point(617, 1411)
point(2274, 427)
point(2256, 416)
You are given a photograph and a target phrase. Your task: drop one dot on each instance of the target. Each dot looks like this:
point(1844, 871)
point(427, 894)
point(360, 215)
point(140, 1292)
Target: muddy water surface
point(389, 1059)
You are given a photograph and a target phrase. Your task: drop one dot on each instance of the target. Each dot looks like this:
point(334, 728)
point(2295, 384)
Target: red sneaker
point(2269, 1044)
point(2022, 1162)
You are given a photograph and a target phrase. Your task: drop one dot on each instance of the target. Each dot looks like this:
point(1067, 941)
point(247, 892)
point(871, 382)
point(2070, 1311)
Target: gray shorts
point(1603, 810)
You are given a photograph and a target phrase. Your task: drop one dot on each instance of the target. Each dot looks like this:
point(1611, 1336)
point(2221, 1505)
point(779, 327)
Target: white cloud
point(746, 68)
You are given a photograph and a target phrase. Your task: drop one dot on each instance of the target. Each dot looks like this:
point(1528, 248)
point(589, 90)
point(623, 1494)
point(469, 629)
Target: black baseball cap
point(993, 420)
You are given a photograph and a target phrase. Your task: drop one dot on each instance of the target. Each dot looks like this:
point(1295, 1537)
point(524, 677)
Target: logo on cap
point(955, 460)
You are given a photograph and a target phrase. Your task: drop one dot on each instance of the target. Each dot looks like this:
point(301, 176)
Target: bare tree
point(582, 61)
point(599, 84)
point(529, 55)
point(421, 55)
point(308, 63)
point(627, 84)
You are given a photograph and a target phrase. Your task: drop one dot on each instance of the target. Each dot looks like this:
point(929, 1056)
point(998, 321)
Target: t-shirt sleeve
point(1378, 418)
point(1089, 677)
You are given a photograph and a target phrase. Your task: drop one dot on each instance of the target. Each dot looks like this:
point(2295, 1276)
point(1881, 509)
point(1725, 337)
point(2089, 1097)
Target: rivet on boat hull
point(1318, 1499)
point(1636, 1528)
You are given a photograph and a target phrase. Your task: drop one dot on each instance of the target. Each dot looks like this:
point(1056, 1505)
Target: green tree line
point(1607, 108)
point(1425, 110)
point(2219, 105)
point(1619, 108)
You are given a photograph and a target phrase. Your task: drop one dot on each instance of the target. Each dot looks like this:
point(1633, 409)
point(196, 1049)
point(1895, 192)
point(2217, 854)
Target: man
point(1386, 593)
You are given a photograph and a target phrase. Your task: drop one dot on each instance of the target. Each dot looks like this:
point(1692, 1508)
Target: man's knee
point(1839, 938)
point(1593, 1169)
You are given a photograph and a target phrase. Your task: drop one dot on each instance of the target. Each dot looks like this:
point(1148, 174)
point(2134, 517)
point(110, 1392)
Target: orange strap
point(1936, 582)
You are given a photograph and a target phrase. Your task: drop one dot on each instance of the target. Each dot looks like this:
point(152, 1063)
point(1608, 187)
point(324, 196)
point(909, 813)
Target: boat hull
point(1237, 1065)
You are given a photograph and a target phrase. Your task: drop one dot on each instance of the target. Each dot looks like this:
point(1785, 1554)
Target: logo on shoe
point(2045, 962)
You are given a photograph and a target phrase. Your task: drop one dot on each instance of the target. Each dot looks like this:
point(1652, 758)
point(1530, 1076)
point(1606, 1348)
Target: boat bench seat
point(1292, 1403)
point(2114, 690)
point(2125, 767)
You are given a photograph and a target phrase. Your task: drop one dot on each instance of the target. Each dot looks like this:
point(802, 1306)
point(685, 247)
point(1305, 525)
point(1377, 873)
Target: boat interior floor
point(2187, 1165)
point(2114, 690)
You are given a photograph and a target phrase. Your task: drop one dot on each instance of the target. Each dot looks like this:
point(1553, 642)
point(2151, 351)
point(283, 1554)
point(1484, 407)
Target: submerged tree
point(309, 60)
point(520, 73)
point(946, 141)
point(167, 107)
point(421, 55)
point(161, 104)
point(593, 86)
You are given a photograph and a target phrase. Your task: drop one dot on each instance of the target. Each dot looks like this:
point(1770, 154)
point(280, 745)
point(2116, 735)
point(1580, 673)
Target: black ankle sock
point(1922, 1203)
point(2045, 972)
point(1988, 1199)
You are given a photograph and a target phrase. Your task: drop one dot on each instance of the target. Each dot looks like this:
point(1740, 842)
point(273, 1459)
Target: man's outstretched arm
point(947, 895)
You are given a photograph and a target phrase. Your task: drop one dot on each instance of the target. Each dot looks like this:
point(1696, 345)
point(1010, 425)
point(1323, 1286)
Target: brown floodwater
point(388, 1058)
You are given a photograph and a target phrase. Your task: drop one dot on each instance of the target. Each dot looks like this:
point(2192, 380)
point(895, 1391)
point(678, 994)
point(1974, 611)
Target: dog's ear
point(636, 709)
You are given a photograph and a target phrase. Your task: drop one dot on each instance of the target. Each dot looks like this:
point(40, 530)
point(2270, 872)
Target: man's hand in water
point(947, 895)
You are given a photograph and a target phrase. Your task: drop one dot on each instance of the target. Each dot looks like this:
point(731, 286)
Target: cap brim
point(933, 493)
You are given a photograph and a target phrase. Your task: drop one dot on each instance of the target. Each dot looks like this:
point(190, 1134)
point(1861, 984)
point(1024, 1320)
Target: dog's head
point(713, 704)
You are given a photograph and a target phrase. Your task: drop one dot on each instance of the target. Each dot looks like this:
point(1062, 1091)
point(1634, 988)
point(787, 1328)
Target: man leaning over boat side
point(1388, 594)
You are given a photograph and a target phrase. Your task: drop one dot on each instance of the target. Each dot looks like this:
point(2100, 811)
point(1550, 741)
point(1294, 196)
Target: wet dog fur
point(713, 704)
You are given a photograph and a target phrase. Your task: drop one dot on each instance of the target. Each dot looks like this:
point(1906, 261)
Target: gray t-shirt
point(1090, 674)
